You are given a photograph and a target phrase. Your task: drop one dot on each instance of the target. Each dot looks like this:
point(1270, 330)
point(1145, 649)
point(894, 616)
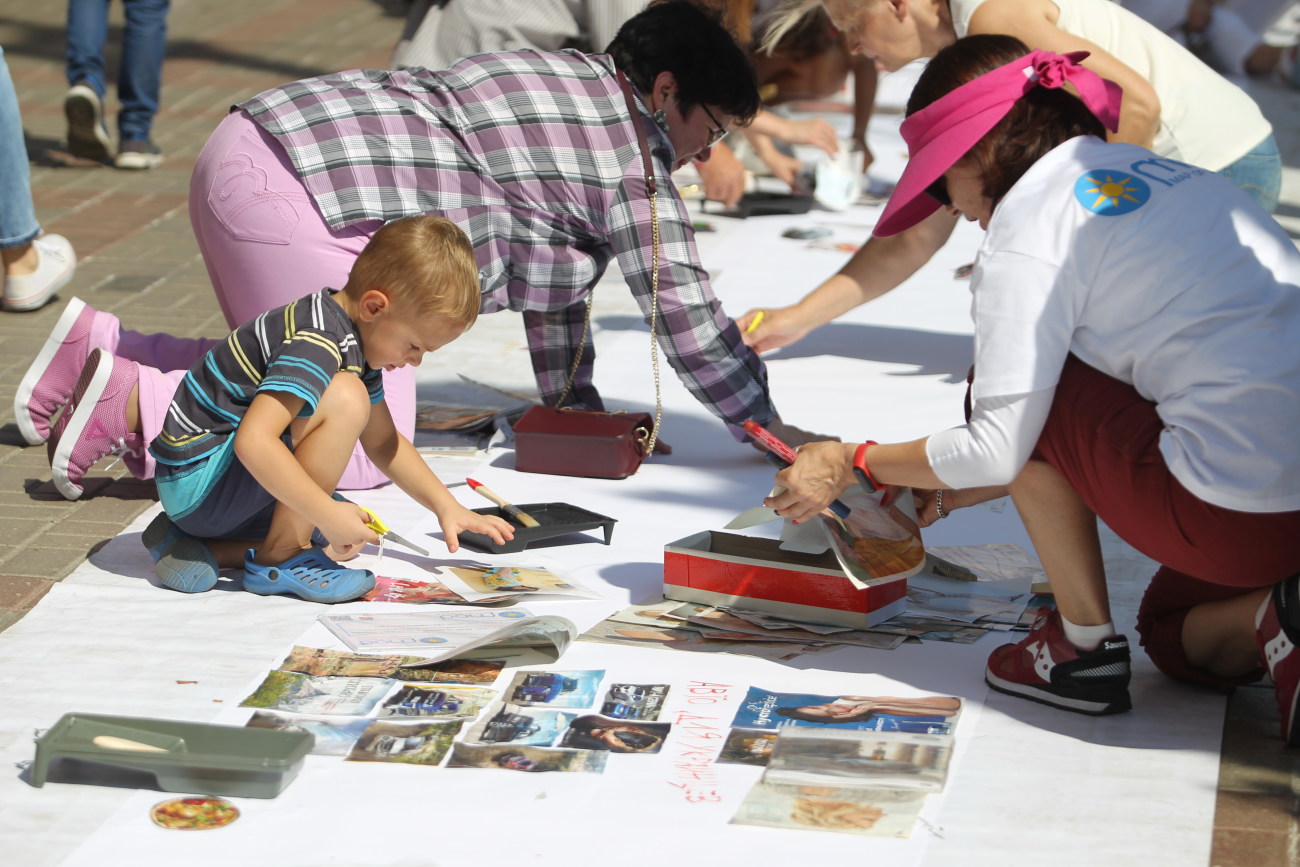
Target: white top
point(466, 27)
point(1205, 119)
point(1158, 274)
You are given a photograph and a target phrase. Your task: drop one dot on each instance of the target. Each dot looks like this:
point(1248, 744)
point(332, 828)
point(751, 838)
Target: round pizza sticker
point(194, 814)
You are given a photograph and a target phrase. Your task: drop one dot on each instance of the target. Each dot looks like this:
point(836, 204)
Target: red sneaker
point(1045, 667)
point(1279, 654)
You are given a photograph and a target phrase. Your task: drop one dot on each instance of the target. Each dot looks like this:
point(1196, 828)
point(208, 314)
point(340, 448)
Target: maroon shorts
point(1104, 437)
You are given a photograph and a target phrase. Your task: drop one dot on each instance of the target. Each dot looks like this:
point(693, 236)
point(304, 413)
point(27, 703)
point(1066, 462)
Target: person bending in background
point(1173, 104)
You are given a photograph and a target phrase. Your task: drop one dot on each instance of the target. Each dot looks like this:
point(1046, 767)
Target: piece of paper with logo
point(434, 635)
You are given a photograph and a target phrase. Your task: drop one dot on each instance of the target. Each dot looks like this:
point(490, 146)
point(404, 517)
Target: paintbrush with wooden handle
point(523, 518)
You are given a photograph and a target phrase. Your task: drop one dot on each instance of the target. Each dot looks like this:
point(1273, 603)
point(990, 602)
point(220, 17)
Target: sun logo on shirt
point(1110, 194)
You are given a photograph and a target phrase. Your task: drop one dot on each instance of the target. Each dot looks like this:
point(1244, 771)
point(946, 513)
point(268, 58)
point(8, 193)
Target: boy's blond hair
point(425, 265)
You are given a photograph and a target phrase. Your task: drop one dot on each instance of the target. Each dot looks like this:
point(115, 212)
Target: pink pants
point(1104, 437)
point(265, 244)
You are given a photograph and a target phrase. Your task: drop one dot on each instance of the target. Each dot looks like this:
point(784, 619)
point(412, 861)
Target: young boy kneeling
point(261, 428)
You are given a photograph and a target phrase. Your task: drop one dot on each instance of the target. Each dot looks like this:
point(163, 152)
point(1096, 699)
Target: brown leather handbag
point(603, 445)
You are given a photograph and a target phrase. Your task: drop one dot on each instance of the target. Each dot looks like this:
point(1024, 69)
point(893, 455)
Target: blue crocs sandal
point(181, 561)
point(309, 575)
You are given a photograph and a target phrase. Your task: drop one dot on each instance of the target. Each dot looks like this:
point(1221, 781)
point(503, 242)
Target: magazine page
point(391, 589)
point(995, 562)
point(554, 688)
point(634, 701)
point(860, 759)
point(410, 743)
point(875, 543)
point(596, 732)
point(334, 735)
point(435, 635)
point(424, 700)
point(773, 628)
point(512, 576)
point(930, 714)
point(527, 759)
point(301, 693)
point(867, 812)
point(745, 746)
point(523, 725)
point(643, 625)
point(341, 663)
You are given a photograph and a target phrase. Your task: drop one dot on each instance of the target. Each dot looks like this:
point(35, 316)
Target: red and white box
point(729, 570)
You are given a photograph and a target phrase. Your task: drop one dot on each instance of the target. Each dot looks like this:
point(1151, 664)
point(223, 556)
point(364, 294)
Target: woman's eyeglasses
point(717, 132)
point(939, 191)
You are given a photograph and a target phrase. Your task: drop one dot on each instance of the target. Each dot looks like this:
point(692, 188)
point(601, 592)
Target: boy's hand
point(345, 527)
point(456, 518)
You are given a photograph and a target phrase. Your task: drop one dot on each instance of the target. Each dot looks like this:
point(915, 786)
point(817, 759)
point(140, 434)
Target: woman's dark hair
point(691, 42)
point(1038, 122)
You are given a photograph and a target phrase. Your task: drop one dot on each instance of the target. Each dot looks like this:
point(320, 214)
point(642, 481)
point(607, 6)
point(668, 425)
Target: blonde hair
point(424, 264)
point(785, 18)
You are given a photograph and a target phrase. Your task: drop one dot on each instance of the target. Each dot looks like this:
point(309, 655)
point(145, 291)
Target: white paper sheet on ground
point(961, 606)
point(1134, 788)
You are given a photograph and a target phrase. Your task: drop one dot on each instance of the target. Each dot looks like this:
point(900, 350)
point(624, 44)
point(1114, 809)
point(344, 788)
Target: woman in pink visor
point(1137, 359)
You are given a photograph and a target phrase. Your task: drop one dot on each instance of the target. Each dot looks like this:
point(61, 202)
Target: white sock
point(1087, 637)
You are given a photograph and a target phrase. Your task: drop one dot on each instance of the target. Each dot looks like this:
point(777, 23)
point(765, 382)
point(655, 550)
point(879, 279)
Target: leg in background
point(84, 103)
point(139, 83)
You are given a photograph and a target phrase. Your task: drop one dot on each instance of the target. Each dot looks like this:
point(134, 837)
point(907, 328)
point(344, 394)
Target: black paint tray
point(556, 519)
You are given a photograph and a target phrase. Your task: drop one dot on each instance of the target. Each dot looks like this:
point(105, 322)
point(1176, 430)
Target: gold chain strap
point(647, 441)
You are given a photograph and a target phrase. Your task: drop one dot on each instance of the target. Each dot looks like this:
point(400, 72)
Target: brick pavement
point(138, 259)
point(137, 256)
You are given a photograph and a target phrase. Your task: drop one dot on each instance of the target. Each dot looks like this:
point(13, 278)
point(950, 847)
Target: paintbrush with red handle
point(523, 518)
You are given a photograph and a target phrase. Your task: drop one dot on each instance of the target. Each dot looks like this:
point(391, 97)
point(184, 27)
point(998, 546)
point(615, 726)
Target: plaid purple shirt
point(534, 155)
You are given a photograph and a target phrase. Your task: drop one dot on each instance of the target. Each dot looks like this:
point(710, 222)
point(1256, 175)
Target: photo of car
point(543, 686)
point(621, 710)
point(634, 701)
point(421, 702)
point(507, 726)
point(391, 745)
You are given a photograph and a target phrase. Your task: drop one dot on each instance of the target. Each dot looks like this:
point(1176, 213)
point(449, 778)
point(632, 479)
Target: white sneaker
point(87, 136)
point(57, 265)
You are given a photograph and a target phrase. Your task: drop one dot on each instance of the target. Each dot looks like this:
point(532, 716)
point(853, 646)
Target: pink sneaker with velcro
point(49, 381)
point(94, 423)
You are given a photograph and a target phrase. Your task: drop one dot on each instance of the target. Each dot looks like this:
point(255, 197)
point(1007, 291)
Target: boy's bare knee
point(344, 408)
point(345, 399)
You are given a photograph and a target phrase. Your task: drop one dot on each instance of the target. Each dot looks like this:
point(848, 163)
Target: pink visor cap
point(941, 133)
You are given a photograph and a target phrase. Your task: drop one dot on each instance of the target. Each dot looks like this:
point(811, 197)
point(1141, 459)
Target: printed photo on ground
point(866, 812)
point(930, 714)
point(595, 732)
point(299, 693)
point(449, 702)
point(334, 735)
point(411, 743)
point(554, 688)
point(527, 759)
point(519, 724)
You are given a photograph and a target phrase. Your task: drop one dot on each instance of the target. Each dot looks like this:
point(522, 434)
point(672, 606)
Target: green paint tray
point(182, 756)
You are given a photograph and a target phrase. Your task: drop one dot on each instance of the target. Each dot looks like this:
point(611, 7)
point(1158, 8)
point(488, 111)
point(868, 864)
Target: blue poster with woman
point(930, 714)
